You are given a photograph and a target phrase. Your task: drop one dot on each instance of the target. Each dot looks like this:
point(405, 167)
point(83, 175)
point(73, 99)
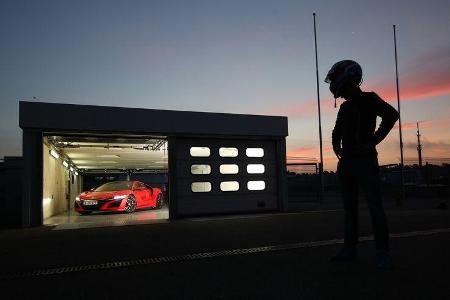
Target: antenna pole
point(419, 146)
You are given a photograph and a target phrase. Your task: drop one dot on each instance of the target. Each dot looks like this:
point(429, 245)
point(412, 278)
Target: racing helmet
point(343, 74)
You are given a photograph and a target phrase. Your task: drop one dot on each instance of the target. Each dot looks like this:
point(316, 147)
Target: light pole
point(399, 118)
point(320, 119)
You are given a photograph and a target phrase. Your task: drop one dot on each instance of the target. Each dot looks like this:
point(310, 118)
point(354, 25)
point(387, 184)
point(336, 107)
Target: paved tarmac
point(209, 258)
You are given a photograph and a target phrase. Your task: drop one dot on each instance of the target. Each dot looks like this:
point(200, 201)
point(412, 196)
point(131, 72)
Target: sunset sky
point(254, 57)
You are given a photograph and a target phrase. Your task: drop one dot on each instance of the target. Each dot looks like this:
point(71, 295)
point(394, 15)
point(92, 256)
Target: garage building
point(206, 163)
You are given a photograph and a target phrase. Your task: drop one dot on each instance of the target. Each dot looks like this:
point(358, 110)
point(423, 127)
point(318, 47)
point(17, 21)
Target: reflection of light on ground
point(72, 220)
point(152, 216)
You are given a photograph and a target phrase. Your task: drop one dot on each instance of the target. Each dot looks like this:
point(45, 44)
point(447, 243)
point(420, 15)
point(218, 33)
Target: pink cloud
point(310, 153)
point(427, 76)
point(424, 77)
point(435, 147)
point(414, 90)
point(426, 124)
point(304, 152)
point(431, 148)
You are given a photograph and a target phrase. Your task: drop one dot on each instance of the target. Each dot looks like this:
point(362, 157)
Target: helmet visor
point(331, 76)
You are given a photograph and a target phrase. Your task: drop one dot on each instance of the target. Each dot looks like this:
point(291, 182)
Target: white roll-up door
point(225, 176)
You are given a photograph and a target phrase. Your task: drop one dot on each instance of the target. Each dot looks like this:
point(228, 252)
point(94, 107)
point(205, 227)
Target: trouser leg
point(349, 192)
point(370, 182)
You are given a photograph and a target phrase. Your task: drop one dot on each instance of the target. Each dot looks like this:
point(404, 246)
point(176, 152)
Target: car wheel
point(159, 201)
point(85, 213)
point(131, 204)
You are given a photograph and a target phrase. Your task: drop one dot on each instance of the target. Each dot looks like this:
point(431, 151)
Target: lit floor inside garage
point(73, 220)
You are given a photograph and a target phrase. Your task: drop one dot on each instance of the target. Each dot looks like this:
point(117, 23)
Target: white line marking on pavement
point(263, 215)
point(202, 255)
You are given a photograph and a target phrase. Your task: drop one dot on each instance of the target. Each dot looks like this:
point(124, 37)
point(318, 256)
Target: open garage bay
point(104, 180)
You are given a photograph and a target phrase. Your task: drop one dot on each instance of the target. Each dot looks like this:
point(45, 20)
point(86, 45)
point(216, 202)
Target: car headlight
point(120, 197)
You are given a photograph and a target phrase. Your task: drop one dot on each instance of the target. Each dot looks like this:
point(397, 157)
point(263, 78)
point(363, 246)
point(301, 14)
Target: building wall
point(59, 190)
point(11, 192)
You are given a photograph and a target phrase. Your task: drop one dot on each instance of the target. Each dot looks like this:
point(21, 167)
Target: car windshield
point(114, 186)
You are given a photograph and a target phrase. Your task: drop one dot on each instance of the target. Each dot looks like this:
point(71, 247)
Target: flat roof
point(56, 117)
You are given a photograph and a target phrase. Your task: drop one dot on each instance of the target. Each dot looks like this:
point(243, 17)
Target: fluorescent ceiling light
point(76, 173)
point(80, 162)
point(71, 169)
point(54, 154)
point(65, 164)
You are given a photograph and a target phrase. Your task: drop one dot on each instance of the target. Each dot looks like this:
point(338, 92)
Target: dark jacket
point(354, 133)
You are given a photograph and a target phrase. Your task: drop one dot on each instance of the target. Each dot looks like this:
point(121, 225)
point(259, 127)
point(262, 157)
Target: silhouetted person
point(354, 141)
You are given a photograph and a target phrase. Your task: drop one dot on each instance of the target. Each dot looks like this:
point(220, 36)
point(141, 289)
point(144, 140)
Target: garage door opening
point(104, 180)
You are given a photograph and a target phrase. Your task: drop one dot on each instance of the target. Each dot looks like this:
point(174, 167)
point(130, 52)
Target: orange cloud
point(309, 153)
point(426, 124)
point(304, 153)
point(413, 90)
point(424, 77)
point(436, 148)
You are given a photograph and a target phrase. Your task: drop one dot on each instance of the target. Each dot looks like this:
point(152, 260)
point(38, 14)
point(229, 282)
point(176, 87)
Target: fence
point(430, 180)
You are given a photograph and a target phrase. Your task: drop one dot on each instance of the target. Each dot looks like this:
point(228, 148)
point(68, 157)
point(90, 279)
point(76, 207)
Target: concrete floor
point(421, 270)
point(73, 220)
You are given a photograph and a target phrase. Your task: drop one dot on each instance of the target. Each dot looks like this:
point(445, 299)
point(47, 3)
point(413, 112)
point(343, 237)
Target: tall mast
point(419, 146)
point(399, 118)
point(320, 119)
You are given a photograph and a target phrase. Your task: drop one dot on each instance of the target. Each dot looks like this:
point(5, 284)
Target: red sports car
point(119, 196)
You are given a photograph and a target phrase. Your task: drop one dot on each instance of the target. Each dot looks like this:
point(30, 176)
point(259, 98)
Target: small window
point(229, 169)
point(256, 185)
point(255, 169)
point(201, 187)
point(200, 151)
point(228, 152)
point(200, 169)
point(254, 152)
point(229, 186)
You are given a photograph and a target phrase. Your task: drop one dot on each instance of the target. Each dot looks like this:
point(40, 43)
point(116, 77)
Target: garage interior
point(73, 164)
